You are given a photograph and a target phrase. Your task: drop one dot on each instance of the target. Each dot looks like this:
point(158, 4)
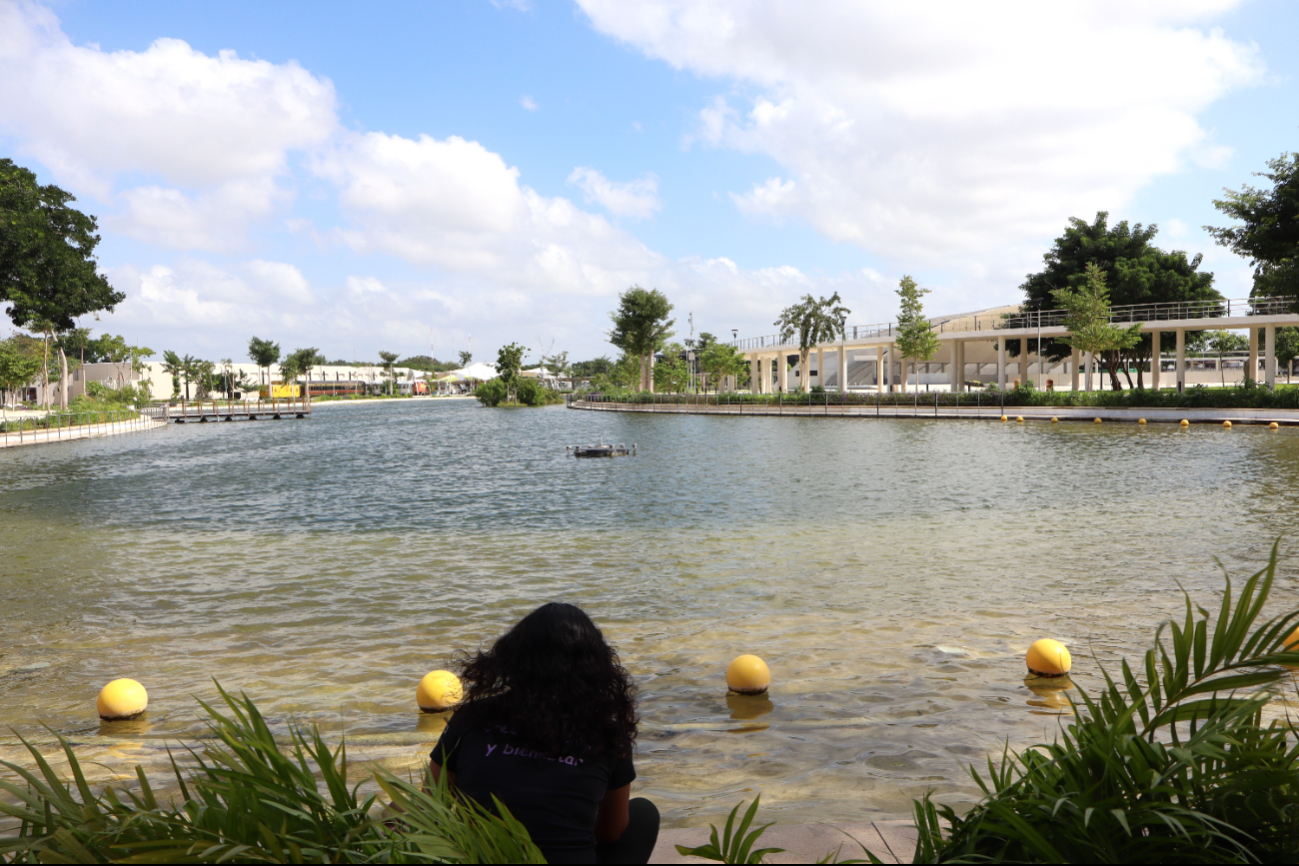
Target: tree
point(812, 321)
point(558, 363)
point(306, 360)
point(1088, 321)
point(1269, 237)
point(720, 360)
point(916, 338)
point(509, 361)
point(1136, 272)
point(1223, 343)
point(672, 374)
point(388, 360)
point(47, 263)
point(264, 354)
point(600, 366)
point(20, 361)
point(1287, 349)
point(466, 358)
point(641, 326)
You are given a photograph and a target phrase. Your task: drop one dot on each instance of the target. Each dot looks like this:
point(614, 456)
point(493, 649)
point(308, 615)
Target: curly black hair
point(555, 684)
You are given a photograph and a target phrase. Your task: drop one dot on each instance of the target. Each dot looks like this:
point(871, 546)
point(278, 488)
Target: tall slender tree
point(1088, 321)
point(389, 359)
point(916, 338)
point(813, 321)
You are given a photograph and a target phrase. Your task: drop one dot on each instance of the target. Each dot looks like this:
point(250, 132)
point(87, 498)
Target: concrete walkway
point(1284, 417)
point(891, 841)
point(80, 431)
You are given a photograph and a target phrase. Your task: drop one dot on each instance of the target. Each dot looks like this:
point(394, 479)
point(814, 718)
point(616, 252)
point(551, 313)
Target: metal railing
point(66, 426)
point(1127, 314)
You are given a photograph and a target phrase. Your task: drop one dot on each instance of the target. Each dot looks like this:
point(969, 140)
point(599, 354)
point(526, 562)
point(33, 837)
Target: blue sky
point(379, 176)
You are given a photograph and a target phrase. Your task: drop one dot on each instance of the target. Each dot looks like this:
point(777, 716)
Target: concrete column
point(1074, 356)
point(960, 365)
point(1025, 360)
point(782, 372)
point(1269, 358)
point(1001, 364)
point(1181, 360)
point(754, 383)
point(1251, 369)
point(843, 369)
point(879, 369)
point(1154, 360)
point(820, 368)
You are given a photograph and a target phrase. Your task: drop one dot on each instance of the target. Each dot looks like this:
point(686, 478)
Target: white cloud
point(529, 103)
point(947, 130)
point(455, 204)
point(210, 134)
point(636, 198)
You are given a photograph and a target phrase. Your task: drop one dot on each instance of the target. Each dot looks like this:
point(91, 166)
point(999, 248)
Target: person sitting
point(548, 726)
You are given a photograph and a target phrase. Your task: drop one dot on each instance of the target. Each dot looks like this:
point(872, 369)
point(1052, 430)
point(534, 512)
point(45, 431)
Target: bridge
point(987, 331)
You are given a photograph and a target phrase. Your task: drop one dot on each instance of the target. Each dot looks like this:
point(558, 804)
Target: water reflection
point(1051, 695)
point(744, 707)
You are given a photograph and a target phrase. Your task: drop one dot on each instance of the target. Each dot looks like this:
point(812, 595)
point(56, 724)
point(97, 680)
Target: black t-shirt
point(555, 797)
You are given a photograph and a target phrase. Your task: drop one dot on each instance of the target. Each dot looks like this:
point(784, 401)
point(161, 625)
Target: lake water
point(891, 572)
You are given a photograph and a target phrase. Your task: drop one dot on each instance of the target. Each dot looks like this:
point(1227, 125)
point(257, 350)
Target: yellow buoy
point(1185, 423)
point(1003, 418)
point(1274, 426)
point(1291, 645)
point(748, 675)
point(122, 699)
point(1019, 419)
point(1226, 424)
point(438, 691)
point(1055, 420)
point(1048, 658)
point(1096, 420)
point(1141, 421)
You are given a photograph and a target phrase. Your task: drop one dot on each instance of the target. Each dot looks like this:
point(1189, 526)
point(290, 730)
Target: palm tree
point(390, 358)
point(264, 354)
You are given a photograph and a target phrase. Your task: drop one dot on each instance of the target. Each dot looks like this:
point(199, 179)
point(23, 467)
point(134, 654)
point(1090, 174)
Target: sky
point(417, 177)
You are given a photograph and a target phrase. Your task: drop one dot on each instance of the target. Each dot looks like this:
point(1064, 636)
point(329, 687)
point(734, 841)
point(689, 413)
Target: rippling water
point(892, 573)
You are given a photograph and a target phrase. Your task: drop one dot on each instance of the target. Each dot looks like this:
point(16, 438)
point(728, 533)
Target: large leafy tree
point(812, 321)
point(47, 262)
point(1269, 234)
point(1136, 272)
point(641, 327)
point(916, 338)
point(1088, 320)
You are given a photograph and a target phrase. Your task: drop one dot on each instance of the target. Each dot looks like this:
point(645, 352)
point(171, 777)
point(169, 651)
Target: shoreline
point(1282, 417)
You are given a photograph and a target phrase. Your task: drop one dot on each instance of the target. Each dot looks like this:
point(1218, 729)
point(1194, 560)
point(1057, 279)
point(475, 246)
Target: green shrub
point(491, 393)
point(247, 801)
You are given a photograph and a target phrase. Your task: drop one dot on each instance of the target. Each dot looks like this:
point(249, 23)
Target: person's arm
point(436, 769)
point(611, 819)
